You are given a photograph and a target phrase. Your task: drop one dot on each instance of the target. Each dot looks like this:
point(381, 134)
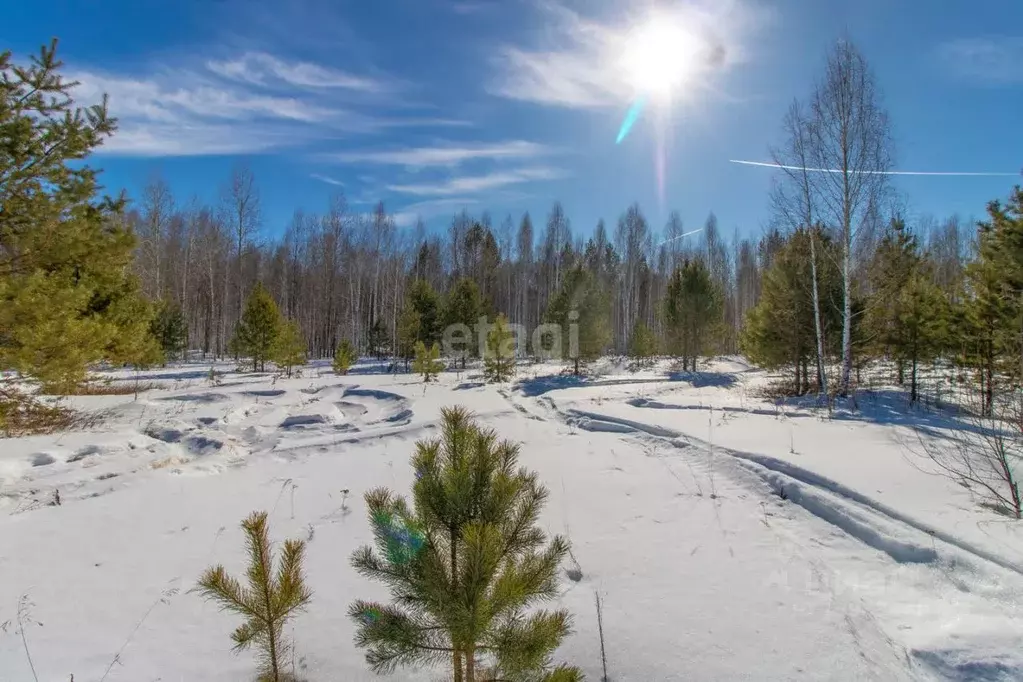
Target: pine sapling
point(466, 564)
point(499, 360)
point(270, 599)
point(344, 357)
point(427, 362)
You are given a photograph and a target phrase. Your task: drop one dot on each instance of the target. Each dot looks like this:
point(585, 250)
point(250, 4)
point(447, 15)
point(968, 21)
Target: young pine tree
point(260, 324)
point(465, 565)
point(692, 311)
point(642, 344)
point(65, 251)
point(923, 320)
point(170, 330)
point(344, 357)
point(582, 309)
point(427, 362)
point(499, 361)
point(268, 602)
point(464, 306)
point(288, 349)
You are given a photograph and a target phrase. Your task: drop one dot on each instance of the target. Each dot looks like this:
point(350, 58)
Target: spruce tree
point(268, 602)
point(170, 330)
point(258, 329)
point(344, 357)
point(466, 565)
point(692, 311)
point(65, 251)
point(499, 360)
point(427, 362)
point(642, 343)
point(288, 348)
point(464, 305)
point(583, 310)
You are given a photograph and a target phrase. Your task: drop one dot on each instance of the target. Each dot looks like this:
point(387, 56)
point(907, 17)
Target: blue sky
point(507, 105)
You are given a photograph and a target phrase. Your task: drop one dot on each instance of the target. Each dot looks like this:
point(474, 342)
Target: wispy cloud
point(327, 179)
point(992, 60)
point(260, 68)
point(409, 215)
point(444, 155)
point(479, 183)
point(224, 107)
point(579, 64)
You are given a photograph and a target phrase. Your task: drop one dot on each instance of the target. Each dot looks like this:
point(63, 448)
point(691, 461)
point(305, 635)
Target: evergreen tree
point(692, 311)
point(894, 264)
point(288, 348)
point(991, 323)
point(64, 251)
point(642, 343)
point(464, 306)
point(377, 338)
point(465, 565)
point(270, 599)
point(499, 362)
point(427, 362)
point(425, 301)
point(170, 330)
point(258, 329)
point(923, 320)
point(780, 330)
point(344, 357)
point(582, 309)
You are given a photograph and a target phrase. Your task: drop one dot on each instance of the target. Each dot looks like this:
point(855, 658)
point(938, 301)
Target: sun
point(659, 57)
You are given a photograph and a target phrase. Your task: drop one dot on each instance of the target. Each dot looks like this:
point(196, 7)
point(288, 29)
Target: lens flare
point(631, 116)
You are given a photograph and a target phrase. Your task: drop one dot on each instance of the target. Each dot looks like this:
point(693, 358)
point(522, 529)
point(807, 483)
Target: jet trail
point(765, 164)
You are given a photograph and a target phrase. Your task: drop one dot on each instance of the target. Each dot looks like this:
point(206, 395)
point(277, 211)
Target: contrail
point(678, 237)
point(765, 164)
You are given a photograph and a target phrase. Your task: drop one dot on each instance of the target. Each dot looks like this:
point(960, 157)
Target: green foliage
point(583, 311)
point(780, 330)
point(344, 357)
point(288, 348)
point(169, 329)
point(419, 320)
point(894, 264)
point(377, 338)
point(464, 305)
point(642, 343)
point(923, 324)
point(269, 600)
point(499, 360)
point(66, 296)
point(427, 362)
point(466, 565)
point(260, 325)
point(692, 311)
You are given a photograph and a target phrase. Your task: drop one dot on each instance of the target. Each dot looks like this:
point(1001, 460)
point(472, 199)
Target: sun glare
point(658, 58)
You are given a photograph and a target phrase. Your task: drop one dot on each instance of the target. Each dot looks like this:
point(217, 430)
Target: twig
point(23, 606)
point(164, 596)
point(600, 630)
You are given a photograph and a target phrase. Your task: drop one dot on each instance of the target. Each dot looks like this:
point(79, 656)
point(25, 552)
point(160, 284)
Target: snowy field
point(729, 538)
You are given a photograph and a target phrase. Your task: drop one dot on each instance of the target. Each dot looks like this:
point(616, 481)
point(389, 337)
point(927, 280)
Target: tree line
point(838, 277)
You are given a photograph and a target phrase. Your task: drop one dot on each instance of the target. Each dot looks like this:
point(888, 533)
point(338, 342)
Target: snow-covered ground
point(728, 537)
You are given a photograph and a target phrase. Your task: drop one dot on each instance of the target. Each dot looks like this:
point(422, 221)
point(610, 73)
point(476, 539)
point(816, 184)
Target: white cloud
point(260, 68)
point(445, 155)
point(580, 63)
point(479, 183)
point(407, 216)
point(991, 60)
point(196, 112)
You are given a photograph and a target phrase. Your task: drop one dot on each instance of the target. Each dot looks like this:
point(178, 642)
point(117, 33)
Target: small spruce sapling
point(344, 357)
point(466, 564)
point(269, 600)
point(427, 362)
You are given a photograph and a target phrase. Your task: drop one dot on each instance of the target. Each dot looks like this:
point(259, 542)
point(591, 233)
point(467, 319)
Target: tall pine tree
point(67, 298)
point(692, 311)
point(582, 308)
point(258, 329)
